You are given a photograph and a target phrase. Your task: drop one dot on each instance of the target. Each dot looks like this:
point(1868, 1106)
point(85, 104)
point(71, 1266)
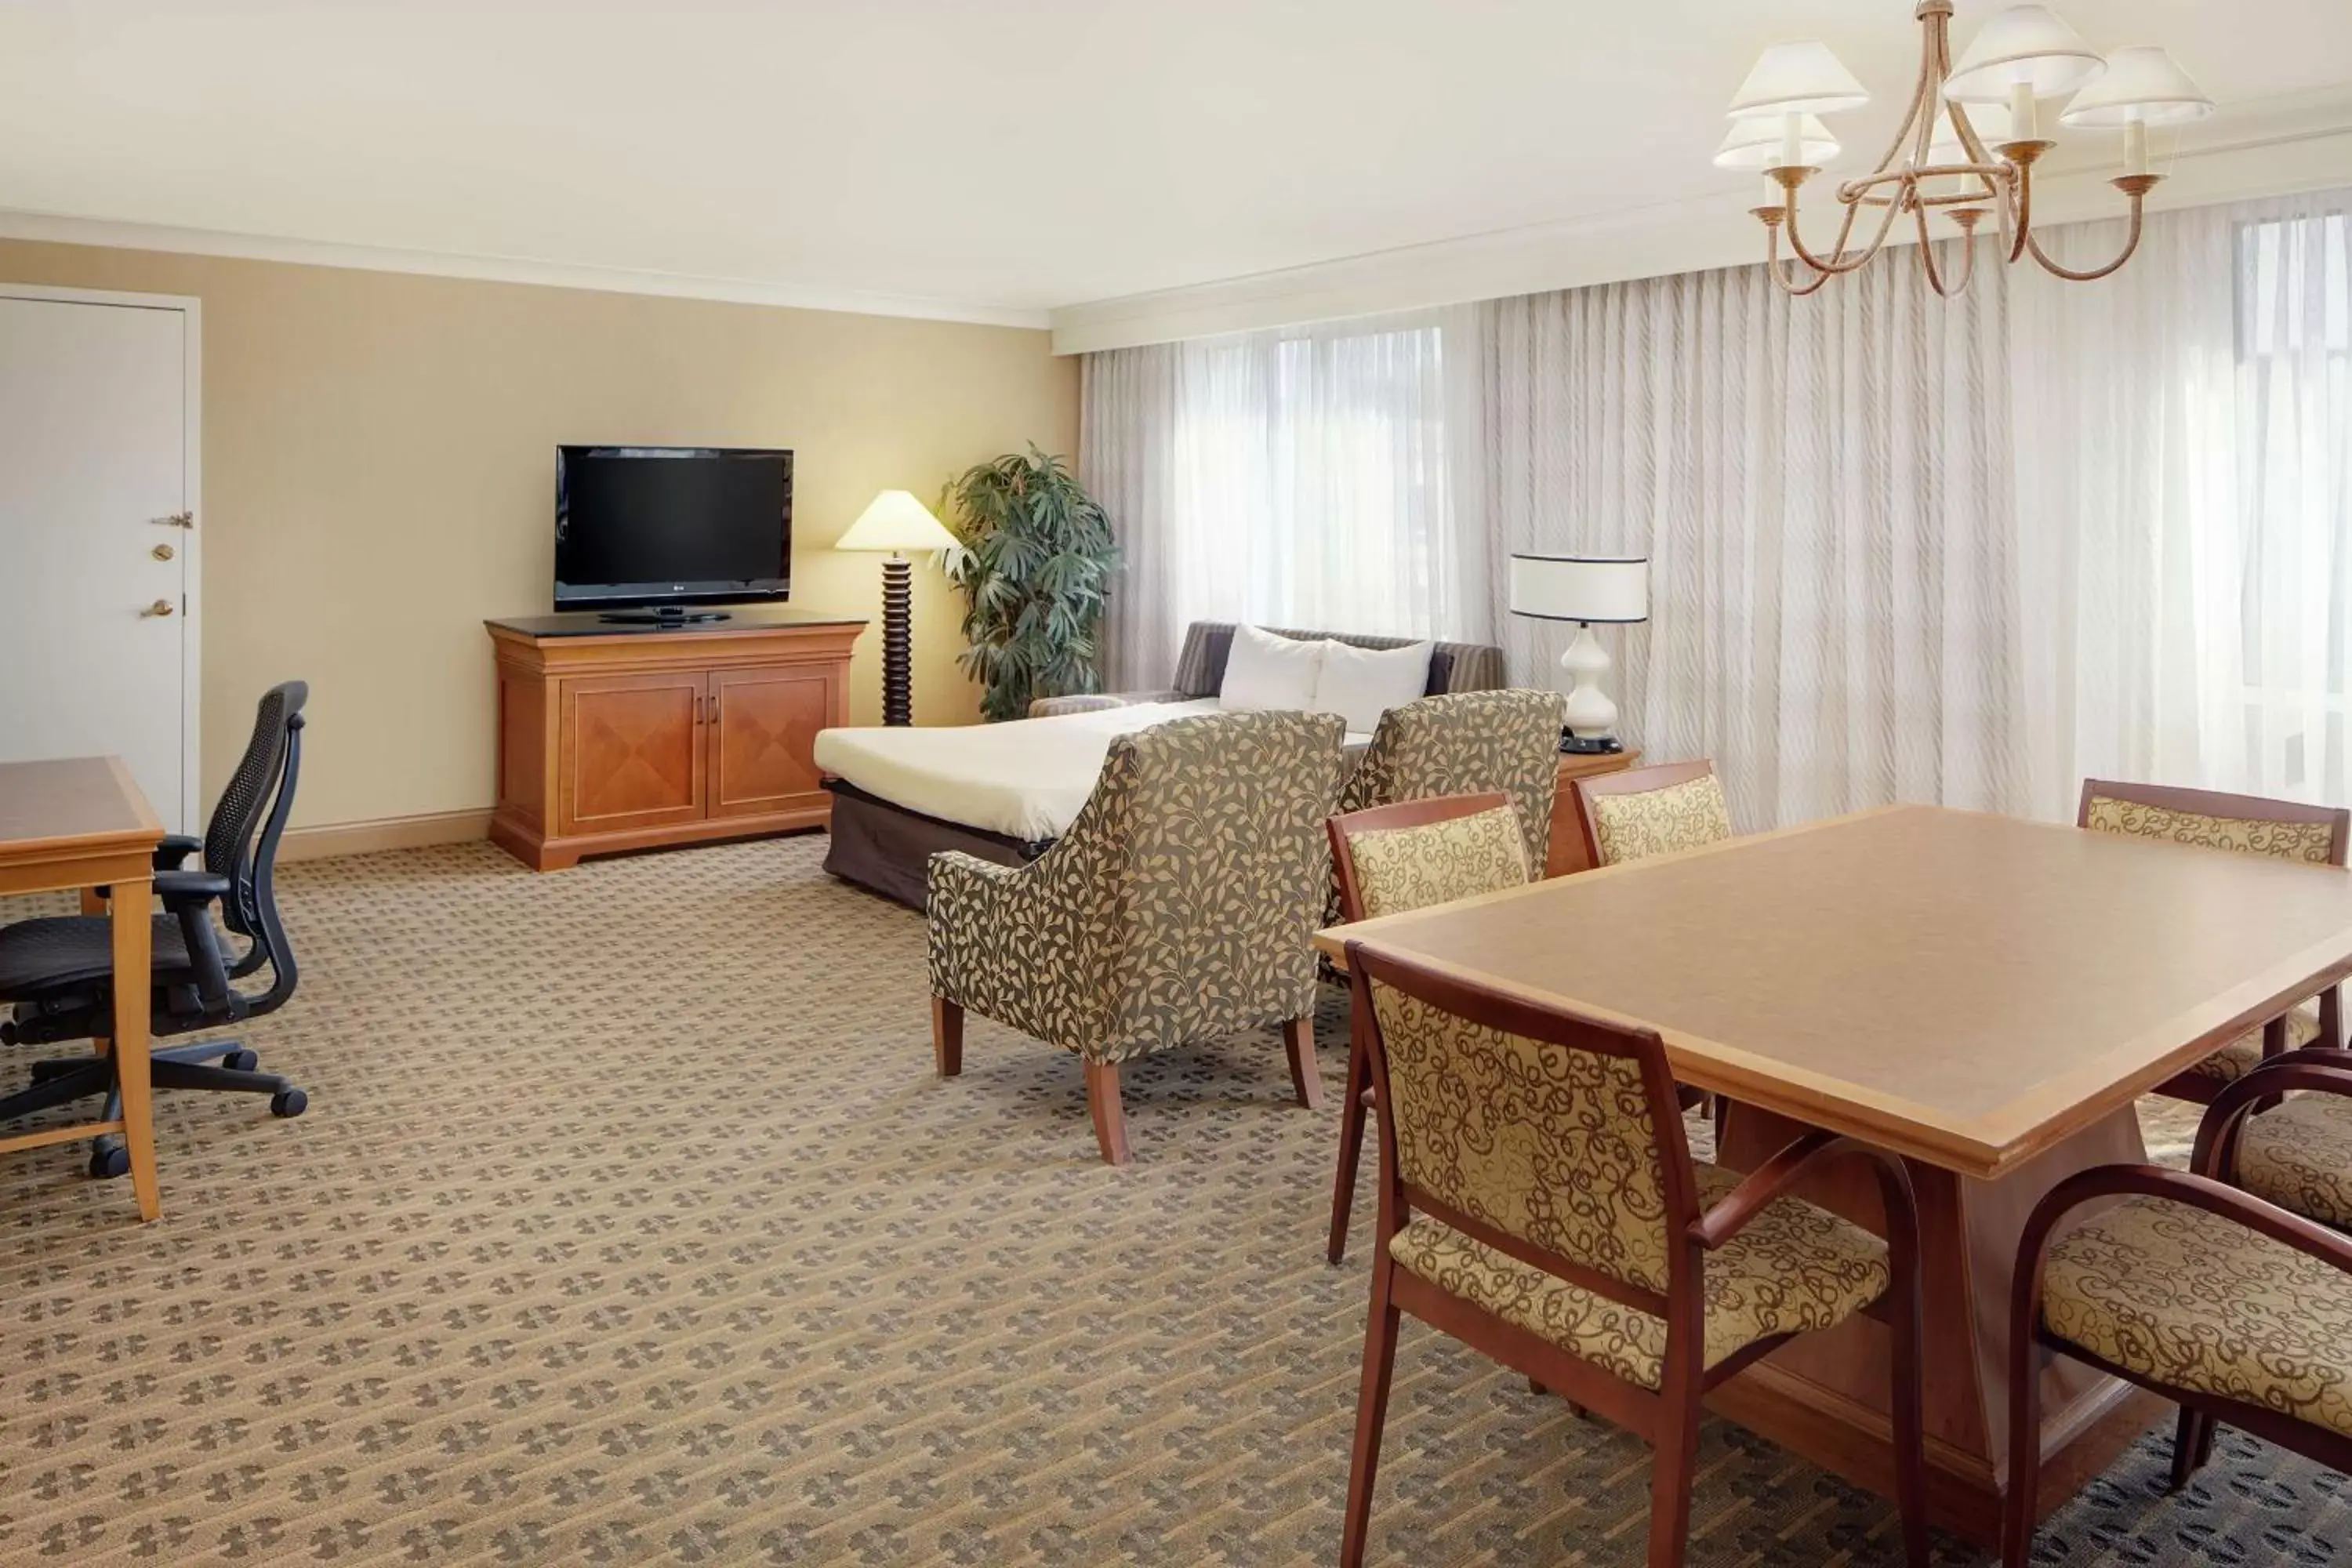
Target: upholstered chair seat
point(2299, 1157)
point(1179, 906)
point(2205, 1286)
point(2238, 824)
point(2194, 1300)
point(1796, 1269)
point(2244, 1053)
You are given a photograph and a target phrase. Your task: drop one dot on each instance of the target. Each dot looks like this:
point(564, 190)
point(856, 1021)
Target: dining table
point(1986, 997)
point(81, 824)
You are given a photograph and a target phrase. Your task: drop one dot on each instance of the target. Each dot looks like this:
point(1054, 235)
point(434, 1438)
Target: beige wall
point(379, 476)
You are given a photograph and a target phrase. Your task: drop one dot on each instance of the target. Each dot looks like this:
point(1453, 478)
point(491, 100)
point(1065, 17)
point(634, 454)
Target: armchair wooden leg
point(2192, 1445)
point(1111, 1116)
point(1674, 1466)
point(2018, 1507)
point(1351, 1148)
point(1306, 1082)
point(1371, 1414)
point(947, 1036)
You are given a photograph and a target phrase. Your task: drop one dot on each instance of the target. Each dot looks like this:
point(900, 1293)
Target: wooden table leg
point(133, 940)
point(1826, 1396)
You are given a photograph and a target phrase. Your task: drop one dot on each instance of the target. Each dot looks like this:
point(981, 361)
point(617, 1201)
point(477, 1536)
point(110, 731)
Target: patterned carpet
point(629, 1225)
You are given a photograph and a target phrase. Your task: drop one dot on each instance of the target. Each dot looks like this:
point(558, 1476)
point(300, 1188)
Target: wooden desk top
point(1966, 989)
point(72, 804)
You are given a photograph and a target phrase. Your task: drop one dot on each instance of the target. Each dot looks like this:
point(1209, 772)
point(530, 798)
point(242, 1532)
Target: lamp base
point(897, 663)
point(1574, 744)
point(1587, 710)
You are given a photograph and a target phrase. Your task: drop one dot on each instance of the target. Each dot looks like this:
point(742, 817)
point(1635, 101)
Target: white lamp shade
point(2028, 44)
point(2143, 84)
point(1756, 141)
point(1580, 587)
point(1988, 120)
point(1798, 78)
point(897, 520)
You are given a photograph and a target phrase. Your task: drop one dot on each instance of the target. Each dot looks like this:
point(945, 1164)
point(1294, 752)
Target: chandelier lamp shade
point(1966, 147)
point(897, 523)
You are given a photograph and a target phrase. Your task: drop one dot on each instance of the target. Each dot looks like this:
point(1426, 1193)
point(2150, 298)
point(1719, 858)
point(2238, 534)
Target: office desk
point(81, 822)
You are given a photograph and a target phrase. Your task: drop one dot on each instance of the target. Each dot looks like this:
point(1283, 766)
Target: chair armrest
point(1770, 1180)
point(1098, 701)
point(182, 888)
point(2314, 1069)
point(175, 850)
point(2306, 1237)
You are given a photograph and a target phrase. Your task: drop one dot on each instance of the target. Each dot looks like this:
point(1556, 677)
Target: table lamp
point(898, 522)
point(1589, 590)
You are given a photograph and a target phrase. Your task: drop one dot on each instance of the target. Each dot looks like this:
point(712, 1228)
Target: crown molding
point(2273, 148)
point(56, 228)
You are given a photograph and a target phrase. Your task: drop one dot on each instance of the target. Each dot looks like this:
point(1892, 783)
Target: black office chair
point(59, 973)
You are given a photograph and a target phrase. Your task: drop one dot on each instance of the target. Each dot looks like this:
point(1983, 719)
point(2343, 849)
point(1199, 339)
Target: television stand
point(663, 617)
point(634, 737)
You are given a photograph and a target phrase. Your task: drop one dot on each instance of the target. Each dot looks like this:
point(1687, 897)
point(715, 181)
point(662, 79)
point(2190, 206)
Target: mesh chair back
point(229, 836)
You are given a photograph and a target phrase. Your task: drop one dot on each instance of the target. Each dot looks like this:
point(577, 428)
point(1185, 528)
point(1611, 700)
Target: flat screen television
point(656, 532)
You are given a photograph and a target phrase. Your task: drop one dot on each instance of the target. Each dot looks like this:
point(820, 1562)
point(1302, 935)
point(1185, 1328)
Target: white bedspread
point(1025, 777)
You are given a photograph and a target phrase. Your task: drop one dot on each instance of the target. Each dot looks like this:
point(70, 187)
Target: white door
point(97, 446)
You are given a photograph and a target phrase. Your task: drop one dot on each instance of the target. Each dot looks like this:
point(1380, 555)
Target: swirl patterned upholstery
point(2195, 1300)
point(1637, 824)
point(2241, 824)
point(1177, 908)
point(1797, 1269)
point(1558, 1147)
point(1404, 869)
point(2306, 841)
point(2299, 1157)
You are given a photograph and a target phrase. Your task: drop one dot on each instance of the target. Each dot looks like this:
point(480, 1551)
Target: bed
point(1005, 791)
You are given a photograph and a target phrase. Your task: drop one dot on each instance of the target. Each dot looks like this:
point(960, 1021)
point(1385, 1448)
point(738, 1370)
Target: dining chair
point(1537, 1202)
point(1640, 812)
point(2246, 824)
point(2299, 1155)
point(1637, 812)
point(1392, 859)
point(1181, 906)
point(2233, 1308)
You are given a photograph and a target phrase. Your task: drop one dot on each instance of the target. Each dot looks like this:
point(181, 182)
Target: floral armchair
point(1178, 907)
point(1464, 742)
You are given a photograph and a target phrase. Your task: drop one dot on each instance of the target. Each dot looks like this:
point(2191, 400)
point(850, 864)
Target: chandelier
point(1968, 144)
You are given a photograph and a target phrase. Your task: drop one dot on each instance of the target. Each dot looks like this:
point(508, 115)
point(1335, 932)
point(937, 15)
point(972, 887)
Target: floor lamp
point(898, 522)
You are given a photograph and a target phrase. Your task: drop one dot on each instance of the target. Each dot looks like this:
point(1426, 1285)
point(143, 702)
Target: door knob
point(161, 553)
point(160, 608)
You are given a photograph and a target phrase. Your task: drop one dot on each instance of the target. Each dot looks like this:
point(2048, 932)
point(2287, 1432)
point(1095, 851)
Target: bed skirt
point(885, 849)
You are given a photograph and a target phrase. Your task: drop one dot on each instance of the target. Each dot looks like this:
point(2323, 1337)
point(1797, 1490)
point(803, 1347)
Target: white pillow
point(1359, 684)
point(1264, 670)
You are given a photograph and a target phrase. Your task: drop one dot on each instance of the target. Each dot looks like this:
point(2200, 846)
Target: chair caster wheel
point(288, 1102)
point(109, 1161)
point(240, 1061)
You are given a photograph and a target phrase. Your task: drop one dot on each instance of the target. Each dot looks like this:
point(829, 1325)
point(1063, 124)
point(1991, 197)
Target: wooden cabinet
point(614, 738)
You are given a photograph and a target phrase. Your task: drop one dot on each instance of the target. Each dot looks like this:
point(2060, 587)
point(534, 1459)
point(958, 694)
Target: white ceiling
point(989, 158)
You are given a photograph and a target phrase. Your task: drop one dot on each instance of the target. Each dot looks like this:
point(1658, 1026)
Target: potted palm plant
point(1034, 569)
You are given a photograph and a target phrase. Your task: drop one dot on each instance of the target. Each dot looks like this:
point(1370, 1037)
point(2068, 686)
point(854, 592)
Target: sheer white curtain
point(2184, 469)
point(1299, 478)
point(1820, 488)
